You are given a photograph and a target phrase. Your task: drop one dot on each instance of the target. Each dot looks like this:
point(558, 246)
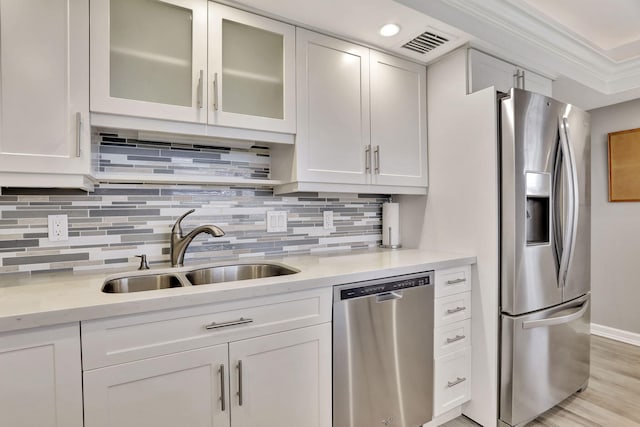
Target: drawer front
point(453, 281)
point(453, 308)
point(451, 338)
point(123, 339)
point(452, 385)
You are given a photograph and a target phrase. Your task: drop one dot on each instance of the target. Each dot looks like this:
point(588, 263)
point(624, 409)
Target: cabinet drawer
point(452, 384)
point(451, 338)
point(452, 281)
point(452, 309)
point(127, 338)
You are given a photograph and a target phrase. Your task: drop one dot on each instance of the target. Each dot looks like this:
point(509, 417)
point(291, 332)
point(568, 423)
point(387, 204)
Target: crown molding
point(512, 30)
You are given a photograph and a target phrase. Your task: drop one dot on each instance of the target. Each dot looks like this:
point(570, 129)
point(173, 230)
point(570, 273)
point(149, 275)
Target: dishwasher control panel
point(387, 285)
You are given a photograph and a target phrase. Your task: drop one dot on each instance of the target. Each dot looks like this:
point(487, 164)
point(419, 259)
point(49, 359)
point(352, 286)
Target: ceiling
point(590, 48)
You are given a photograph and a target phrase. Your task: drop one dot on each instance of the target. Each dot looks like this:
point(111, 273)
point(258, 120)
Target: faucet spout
point(180, 242)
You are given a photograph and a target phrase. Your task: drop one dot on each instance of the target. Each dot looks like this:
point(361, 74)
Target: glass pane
point(252, 71)
point(151, 52)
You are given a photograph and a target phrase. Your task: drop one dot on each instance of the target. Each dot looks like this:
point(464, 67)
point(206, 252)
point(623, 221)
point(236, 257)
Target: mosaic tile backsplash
point(111, 225)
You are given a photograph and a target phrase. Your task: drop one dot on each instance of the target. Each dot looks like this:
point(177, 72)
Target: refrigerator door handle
point(559, 320)
point(569, 239)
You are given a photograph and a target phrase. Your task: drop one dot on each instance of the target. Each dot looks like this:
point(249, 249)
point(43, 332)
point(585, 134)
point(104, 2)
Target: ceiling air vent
point(425, 42)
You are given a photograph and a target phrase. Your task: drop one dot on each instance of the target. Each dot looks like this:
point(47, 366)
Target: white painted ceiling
point(591, 48)
point(608, 26)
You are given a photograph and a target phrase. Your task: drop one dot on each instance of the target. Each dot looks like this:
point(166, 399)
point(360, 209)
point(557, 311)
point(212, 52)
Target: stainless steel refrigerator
point(545, 254)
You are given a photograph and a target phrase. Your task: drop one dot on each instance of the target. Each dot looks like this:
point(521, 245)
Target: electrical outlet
point(58, 228)
point(327, 217)
point(276, 221)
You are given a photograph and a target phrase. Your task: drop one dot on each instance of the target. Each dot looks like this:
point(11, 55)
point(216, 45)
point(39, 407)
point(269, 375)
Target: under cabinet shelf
point(183, 179)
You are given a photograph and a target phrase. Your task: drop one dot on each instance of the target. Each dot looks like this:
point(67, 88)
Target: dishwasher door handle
point(389, 296)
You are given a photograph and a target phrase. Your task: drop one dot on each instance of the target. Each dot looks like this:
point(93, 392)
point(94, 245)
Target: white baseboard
point(615, 334)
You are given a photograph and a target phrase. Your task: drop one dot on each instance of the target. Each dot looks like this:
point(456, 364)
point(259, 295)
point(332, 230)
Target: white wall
point(615, 229)
point(460, 213)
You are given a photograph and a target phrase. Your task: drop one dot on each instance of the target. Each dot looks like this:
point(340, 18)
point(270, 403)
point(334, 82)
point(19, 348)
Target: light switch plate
point(58, 228)
point(327, 222)
point(276, 221)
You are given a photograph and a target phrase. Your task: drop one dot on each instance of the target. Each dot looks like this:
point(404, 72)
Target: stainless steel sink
point(177, 278)
point(141, 283)
point(229, 273)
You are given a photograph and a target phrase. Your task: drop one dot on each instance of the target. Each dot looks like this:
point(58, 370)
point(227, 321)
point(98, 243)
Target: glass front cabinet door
point(252, 71)
point(149, 58)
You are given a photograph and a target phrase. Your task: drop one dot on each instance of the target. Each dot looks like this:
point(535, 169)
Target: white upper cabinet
point(44, 57)
point(486, 70)
point(149, 58)
point(361, 121)
point(191, 61)
point(333, 110)
point(251, 70)
point(398, 121)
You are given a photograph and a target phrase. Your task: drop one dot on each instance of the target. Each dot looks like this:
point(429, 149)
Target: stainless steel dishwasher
point(383, 352)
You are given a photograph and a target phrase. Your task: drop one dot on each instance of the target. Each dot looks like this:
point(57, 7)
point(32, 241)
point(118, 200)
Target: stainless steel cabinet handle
point(241, 321)
point(376, 154)
point(456, 382)
point(456, 339)
point(78, 134)
point(239, 382)
point(522, 77)
point(453, 282)
point(223, 403)
point(456, 310)
point(215, 91)
point(367, 159)
point(200, 89)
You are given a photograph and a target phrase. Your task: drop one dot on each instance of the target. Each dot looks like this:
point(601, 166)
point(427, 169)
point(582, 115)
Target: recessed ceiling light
point(389, 30)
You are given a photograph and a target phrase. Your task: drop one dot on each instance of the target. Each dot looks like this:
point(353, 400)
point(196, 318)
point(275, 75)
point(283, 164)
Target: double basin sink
point(204, 275)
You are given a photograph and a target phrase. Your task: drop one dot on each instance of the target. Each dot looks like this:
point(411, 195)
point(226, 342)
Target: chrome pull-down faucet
point(179, 243)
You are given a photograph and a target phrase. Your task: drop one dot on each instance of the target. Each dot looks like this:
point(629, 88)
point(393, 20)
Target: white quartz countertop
point(53, 298)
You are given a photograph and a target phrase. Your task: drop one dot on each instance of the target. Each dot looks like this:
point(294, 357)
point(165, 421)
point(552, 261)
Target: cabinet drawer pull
point(223, 403)
point(241, 321)
point(215, 91)
point(239, 382)
point(456, 382)
point(456, 338)
point(376, 155)
point(78, 132)
point(200, 88)
point(456, 310)
point(455, 281)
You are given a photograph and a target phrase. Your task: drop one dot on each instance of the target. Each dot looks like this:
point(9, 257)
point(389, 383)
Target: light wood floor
point(611, 400)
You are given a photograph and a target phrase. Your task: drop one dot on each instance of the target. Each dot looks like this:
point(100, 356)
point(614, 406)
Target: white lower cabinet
point(452, 339)
point(181, 389)
point(40, 377)
point(285, 379)
point(273, 379)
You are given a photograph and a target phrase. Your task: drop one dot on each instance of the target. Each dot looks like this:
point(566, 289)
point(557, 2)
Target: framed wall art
point(624, 166)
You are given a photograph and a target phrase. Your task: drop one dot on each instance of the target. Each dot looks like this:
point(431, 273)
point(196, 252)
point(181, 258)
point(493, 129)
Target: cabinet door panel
point(486, 71)
point(286, 379)
point(44, 54)
point(398, 121)
point(41, 377)
point(252, 70)
point(333, 109)
point(182, 389)
point(149, 58)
